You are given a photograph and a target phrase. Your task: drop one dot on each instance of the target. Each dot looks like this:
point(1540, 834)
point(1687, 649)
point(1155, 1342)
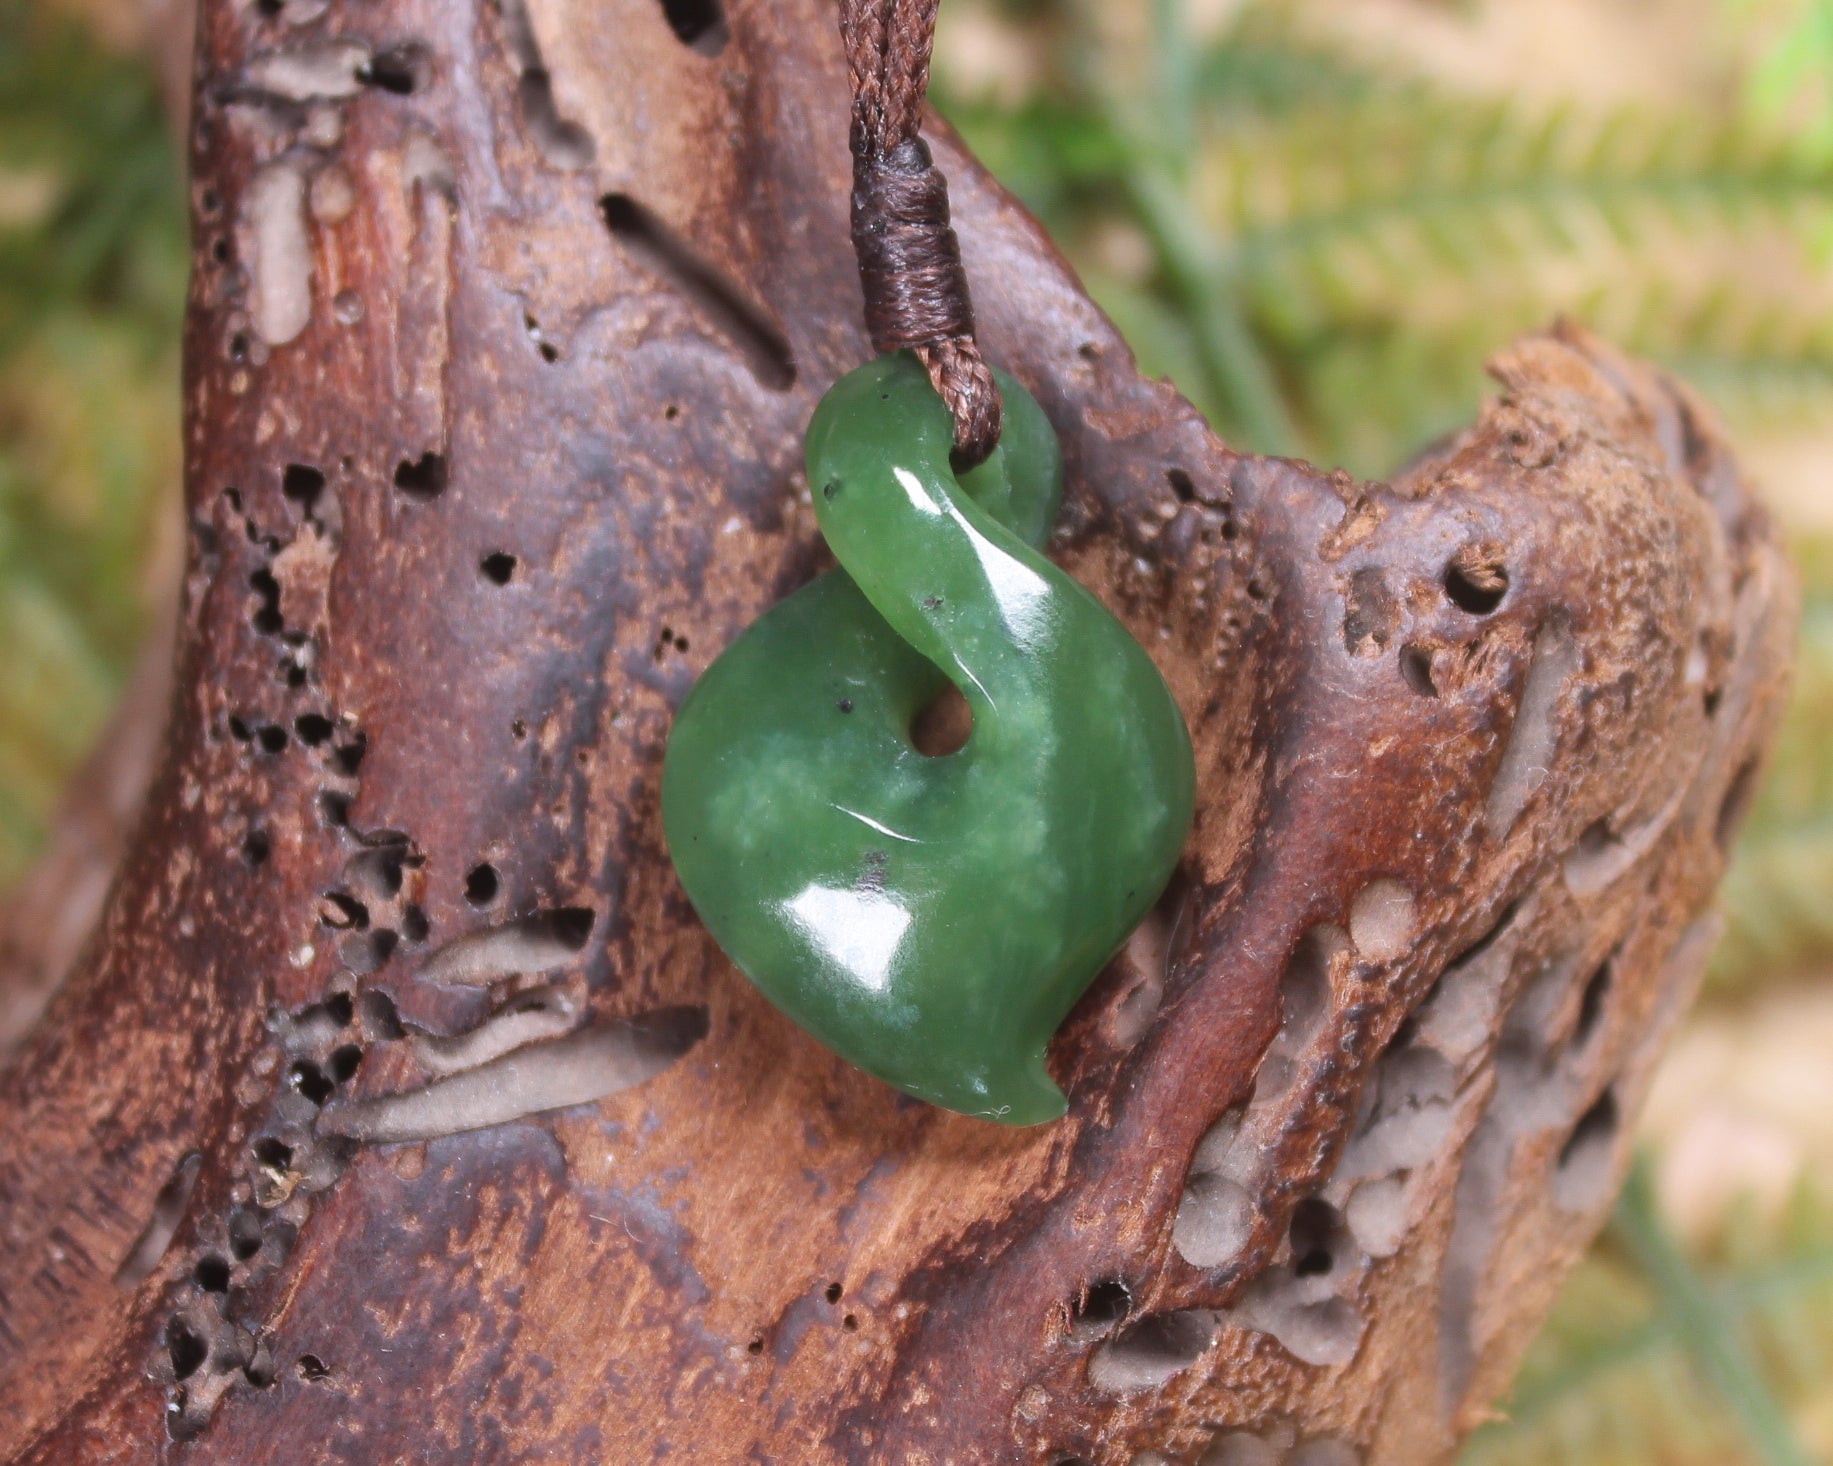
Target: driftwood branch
point(400, 1109)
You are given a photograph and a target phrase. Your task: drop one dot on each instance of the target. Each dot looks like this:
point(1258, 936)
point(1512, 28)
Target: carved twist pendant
point(930, 919)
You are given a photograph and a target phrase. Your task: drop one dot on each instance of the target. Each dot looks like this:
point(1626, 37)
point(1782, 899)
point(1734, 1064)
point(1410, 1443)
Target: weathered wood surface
point(505, 327)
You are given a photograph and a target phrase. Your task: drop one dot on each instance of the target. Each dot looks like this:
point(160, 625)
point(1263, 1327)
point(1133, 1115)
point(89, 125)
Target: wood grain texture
point(505, 327)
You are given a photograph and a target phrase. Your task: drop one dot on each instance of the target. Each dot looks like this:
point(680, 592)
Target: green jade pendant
point(930, 919)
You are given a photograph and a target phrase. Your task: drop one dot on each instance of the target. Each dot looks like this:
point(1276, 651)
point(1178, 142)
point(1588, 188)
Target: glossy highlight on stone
point(930, 919)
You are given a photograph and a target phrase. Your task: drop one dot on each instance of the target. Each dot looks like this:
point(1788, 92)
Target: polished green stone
point(930, 919)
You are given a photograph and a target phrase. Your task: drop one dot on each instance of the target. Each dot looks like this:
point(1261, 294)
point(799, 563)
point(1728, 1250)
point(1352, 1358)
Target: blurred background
point(1317, 217)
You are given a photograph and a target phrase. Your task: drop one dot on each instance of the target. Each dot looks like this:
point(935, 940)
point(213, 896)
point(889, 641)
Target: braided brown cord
point(909, 260)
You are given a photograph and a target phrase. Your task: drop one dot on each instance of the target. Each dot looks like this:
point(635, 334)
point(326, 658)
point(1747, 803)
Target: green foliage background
point(1320, 249)
point(92, 278)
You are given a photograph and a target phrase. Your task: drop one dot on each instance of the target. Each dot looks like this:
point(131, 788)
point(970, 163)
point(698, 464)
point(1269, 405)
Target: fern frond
point(1264, 66)
point(1446, 216)
point(1762, 391)
point(1356, 223)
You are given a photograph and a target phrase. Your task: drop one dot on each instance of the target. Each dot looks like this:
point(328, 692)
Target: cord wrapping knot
point(916, 295)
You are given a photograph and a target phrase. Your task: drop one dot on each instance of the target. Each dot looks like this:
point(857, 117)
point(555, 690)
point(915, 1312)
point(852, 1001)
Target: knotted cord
point(909, 260)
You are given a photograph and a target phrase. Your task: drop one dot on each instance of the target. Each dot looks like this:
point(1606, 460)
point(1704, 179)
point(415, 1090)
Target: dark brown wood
point(505, 328)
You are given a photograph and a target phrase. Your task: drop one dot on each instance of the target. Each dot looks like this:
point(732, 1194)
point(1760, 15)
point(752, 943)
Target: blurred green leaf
point(93, 261)
point(1343, 247)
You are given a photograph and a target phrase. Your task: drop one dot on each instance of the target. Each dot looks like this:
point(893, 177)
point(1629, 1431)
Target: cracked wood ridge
point(400, 1109)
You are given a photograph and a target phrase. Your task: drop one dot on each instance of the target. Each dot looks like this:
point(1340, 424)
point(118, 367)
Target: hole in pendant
point(944, 726)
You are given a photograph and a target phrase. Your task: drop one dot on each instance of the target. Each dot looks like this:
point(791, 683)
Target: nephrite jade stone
point(930, 919)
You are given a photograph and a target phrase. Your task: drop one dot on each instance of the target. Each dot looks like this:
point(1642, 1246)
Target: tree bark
point(400, 1109)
